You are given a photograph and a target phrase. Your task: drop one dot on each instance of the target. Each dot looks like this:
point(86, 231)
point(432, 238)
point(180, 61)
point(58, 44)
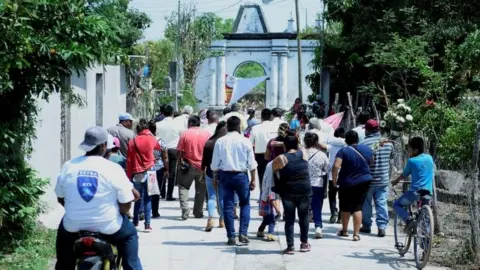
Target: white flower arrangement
point(398, 117)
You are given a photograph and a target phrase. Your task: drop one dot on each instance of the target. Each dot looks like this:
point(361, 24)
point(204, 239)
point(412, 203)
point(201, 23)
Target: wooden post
point(377, 116)
point(335, 103)
point(474, 175)
point(352, 114)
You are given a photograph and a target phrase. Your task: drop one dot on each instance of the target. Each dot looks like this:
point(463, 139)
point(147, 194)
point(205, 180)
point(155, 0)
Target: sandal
point(356, 238)
point(342, 233)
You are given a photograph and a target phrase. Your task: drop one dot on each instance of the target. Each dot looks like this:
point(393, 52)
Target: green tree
point(196, 36)
point(160, 53)
point(43, 42)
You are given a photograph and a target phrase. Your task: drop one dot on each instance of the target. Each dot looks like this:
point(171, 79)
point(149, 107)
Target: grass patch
point(35, 253)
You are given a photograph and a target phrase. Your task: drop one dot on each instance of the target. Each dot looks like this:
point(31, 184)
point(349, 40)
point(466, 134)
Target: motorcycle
point(94, 253)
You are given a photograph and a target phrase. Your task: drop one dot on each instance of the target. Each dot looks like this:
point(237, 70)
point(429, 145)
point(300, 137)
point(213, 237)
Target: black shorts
point(352, 198)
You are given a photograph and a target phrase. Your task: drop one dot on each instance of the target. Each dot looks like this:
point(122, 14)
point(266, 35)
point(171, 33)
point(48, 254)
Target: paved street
point(176, 244)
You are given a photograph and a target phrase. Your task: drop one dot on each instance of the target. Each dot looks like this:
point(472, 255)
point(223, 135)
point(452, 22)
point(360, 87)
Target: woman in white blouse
point(318, 165)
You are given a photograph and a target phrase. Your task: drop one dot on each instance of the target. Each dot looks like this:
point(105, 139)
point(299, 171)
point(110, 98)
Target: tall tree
point(44, 42)
point(195, 35)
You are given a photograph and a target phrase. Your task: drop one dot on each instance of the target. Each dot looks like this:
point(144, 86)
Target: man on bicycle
point(420, 167)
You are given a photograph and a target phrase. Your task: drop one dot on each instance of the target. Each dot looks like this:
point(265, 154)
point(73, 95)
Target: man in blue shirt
point(420, 168)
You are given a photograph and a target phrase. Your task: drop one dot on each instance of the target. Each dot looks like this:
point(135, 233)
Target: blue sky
point(277, 12)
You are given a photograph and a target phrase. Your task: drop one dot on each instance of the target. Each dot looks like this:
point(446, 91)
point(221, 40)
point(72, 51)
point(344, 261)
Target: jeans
point(125, 239)
point(290, 205)
point(231, 183)
point(379, 195)
point(146, 202)
point(220, 201)
point(332, 198)
point(405, 200)
point(156, 198)
point(268, 220)
point(317, 205)
point(212, 197)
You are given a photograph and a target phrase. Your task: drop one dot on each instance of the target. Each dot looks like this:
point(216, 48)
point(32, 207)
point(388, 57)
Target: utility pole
point(322, 47)
point(299, 45)
point(177, 58)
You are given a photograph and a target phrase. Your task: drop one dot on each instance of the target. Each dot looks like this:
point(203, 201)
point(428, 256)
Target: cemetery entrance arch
point(251, 41)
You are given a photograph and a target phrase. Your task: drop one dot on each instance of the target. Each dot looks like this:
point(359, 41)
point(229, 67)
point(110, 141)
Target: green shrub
point(455, 147)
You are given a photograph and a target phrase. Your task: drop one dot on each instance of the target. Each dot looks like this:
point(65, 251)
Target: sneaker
point(305, 247)
point(185, 214)
point(156, 216)
point(381, 233)
point(148, 228)
point(410, 224)
point(289, 251)
point(333, 218)
point(221, 224)
point(232, 241)
point(170, 199)
point(243, 239)
point(365, 230)
point(318, 233)
point(260, 234)
point(270, 238)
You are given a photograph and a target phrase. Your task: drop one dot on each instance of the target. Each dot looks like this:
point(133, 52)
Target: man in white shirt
point(260, 135)
point(362, 119)
point(277, 114)
point(96, 195)
point(169, 131)
point(235, 111)
point(213, 120)
point(233, 158)
point(182, 120)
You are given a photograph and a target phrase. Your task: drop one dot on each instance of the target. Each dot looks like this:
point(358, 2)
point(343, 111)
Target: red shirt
point(191, 143)
point(143, 159)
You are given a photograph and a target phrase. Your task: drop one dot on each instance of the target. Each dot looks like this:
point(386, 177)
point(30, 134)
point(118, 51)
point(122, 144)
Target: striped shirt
point(382, 154)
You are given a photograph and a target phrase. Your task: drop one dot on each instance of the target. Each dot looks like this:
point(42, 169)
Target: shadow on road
point(384, 256)
point(187, 227)
point(194, 243)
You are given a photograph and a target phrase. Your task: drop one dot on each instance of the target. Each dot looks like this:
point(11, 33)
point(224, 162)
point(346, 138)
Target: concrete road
point(175, 244)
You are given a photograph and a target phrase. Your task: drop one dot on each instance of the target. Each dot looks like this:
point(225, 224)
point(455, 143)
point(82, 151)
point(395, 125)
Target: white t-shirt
point(92, 188)
point(361, 133)
point(261, 134)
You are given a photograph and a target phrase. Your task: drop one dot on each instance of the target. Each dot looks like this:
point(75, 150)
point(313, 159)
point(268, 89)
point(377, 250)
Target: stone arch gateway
point(252, 41)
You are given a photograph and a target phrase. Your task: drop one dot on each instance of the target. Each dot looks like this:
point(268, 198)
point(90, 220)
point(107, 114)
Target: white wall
point(46, 158)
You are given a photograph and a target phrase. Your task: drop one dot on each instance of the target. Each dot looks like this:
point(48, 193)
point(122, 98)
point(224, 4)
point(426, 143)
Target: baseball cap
point(125, 117)
point(116, 142)
point(110, 144)
point(371, 125)
point(93, 136)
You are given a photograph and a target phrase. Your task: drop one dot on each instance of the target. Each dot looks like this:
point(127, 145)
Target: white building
point(60, 128)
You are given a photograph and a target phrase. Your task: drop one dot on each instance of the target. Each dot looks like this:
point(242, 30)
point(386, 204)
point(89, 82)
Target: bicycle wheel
point(422, 244)
point(402, 240)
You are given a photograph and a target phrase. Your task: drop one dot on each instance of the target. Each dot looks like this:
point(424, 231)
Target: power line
point(240, 1)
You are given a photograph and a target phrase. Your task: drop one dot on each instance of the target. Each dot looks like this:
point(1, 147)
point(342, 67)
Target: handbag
point(265, 208)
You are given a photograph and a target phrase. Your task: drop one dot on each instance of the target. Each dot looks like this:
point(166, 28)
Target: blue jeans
point(379, 195)
point(231, 183)
point(125, 239)
point(268, 220)
point(317, 205)
point(220, 200)
point(145, 201)
point(405, 200)
point(212, 197)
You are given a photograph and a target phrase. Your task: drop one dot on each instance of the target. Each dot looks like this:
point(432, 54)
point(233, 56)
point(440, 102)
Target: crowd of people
point(297, 166)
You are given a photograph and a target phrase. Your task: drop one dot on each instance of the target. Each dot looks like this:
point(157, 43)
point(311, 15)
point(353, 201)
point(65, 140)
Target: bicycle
point(422, 233)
